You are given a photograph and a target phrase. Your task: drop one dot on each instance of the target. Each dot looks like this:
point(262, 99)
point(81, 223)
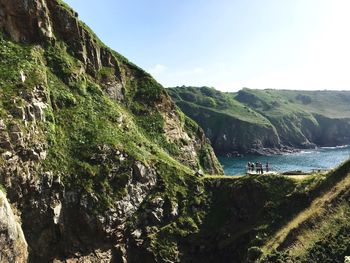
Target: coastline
point(284, 150)
point(298, 161)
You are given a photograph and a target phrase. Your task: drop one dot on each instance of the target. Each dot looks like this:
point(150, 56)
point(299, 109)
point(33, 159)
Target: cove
point(321, 158)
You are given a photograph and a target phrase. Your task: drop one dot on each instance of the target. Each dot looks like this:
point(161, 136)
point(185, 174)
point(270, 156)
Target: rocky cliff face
point(95, 156)
point(268, 121)
point(13, 244)
point(232, 136)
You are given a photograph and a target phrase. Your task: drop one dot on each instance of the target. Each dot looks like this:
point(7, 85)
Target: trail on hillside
point(292, 235)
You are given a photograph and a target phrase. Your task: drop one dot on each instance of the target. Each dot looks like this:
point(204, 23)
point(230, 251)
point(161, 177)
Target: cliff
point(267, 121)
point(12, 242)
point(99, 165)
point(271, 219)
point(96, 159)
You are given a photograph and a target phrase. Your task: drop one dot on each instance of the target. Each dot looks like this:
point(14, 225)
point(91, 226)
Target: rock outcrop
point(12, 242)
point(94, 155)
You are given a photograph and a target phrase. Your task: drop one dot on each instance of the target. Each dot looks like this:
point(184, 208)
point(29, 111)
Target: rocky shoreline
point(264, 152)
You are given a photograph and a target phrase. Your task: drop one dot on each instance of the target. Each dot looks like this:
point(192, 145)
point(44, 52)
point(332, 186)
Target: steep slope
point(320, 231)
point(12, 242)
point(95, 156)
point(303, 118)
point(291, 119)
point(274, 219)
point(231, 126)
point(100, 165)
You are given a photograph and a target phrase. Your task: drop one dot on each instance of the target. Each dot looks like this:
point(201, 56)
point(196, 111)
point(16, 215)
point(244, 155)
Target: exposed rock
point(80, 204)
point(5, 141)
point(57, 212)
point(39, 110)
point(12, 242)
point(174, 210)
point(18, 112)
point(137, 233)
point(199, 173)
point(138, 187)
point(2, 125)
point(140, 172)
point(22, 76)
point(22, 27)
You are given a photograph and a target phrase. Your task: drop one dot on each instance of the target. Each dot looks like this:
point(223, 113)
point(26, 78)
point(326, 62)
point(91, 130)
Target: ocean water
point(321, 158)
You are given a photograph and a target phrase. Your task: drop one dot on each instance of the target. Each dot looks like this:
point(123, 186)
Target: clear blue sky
point(229, 44)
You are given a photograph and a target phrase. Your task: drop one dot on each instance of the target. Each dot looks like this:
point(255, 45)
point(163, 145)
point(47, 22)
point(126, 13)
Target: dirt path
point(298, 177)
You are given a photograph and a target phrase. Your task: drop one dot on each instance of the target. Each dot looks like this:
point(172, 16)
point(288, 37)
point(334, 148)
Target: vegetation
point(216, 101)
point(246, 214)
point(331, 104)
point(93, 141)
point(2, 188)
point(299, 119)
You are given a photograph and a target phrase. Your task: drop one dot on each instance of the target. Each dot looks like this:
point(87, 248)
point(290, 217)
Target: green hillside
point(332, 104)
point(274, 219)
point(98, 164)
point(90, 144)
point(293, 119)
point(215, 100)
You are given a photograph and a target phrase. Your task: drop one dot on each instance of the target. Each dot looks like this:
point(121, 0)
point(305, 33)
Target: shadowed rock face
point(25, 21)
point(12, 242)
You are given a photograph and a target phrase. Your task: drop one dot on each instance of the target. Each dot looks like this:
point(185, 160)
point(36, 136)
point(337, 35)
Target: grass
point(251, 215)
point(335, 219)
point(316, 207)
point(2, 188)
point(332, 104)
point(81, 118)
point(216, 101)
point(324, 216)
point(300, 119)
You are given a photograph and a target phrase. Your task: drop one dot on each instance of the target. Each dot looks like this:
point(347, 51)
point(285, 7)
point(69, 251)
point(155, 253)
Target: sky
point(229, 44)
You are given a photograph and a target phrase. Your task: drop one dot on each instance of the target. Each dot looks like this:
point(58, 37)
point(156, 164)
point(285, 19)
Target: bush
point(207, 102)
point(208, 91)
point(304, 99)
point(253, 254)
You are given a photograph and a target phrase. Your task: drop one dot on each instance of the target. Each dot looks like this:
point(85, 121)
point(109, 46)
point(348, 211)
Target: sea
point(323, 158)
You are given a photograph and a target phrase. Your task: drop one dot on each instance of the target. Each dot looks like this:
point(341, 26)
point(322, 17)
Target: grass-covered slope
point(274, 219)
point(330, 103)
point(91, 146)
point(291, 119)
point(230, 125)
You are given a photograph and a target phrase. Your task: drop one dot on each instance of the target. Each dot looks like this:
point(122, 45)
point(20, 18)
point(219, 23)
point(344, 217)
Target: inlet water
point(322, 158)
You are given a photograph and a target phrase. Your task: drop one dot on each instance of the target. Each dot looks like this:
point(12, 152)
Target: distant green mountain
point(267, 121)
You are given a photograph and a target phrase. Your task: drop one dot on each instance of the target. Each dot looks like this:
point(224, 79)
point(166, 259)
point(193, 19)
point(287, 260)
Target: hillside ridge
point(95, 157)
point(267, 121)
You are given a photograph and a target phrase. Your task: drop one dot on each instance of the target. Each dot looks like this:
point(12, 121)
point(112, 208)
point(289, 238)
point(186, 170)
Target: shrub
point(304, 99)
point(254, 253)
